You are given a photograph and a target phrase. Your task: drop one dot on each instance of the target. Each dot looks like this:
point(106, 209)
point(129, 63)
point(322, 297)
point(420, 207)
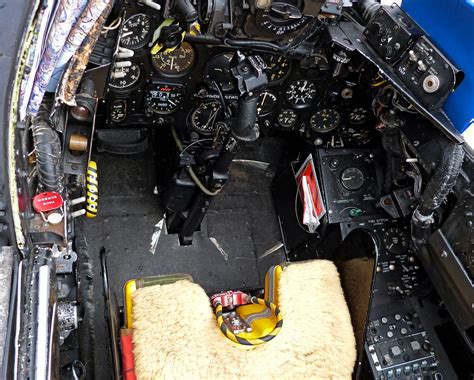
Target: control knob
point(412, 56)
point(421, 66)
point(376, 29)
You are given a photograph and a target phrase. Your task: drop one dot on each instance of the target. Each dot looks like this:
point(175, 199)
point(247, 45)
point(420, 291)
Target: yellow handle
point(250, 342)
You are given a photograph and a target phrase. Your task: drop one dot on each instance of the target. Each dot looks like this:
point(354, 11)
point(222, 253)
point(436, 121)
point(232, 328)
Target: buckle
point(230, 299)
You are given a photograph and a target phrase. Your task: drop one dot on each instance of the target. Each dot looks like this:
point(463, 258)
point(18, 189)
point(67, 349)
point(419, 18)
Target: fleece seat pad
point(176, 337)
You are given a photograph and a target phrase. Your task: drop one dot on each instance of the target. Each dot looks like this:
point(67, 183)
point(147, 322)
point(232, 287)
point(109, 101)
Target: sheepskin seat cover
point(175, 334)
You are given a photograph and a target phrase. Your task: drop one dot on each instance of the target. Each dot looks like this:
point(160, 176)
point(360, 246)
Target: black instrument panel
point(175, 87)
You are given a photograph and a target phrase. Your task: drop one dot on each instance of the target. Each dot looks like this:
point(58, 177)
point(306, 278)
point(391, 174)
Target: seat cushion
point(175, 334)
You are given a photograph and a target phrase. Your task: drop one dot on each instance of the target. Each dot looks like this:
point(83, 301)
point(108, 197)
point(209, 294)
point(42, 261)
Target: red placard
point(310, 195)
point(47, 201)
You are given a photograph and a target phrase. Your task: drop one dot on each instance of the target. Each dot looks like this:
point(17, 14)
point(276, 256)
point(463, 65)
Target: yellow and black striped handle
point(250, 342)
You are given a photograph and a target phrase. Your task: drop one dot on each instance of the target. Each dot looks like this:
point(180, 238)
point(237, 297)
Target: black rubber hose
point(48, 156)
point(264, 46)
point(368, 8)
point(436, 191)
point(442, 180)
point(248, 43)
point(187, 10)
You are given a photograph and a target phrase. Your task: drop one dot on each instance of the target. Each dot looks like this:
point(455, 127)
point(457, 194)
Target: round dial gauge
point(218, 70)
point(352, 179)
point(358, 116)
point(287, 118)
point(267, 101)
point(301, 93)
point(118, 110)
point(176, 62)
point(276, 21)
point(204, 117)
point(163, 98)
point(325, 120)
point(135, 31)
point(124, 77)
point(278, 67)
point(396, 240)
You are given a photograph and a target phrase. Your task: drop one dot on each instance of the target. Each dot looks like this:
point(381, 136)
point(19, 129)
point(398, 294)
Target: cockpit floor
point(226, 254)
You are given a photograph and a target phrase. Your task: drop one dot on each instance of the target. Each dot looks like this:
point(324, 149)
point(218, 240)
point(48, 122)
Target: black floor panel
point(241, 222)
point(226, 254)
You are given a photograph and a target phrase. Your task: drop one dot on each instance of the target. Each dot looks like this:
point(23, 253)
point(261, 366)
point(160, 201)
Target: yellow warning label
point(92, 190)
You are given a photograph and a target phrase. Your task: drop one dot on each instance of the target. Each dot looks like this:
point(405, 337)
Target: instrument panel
point(187, 87)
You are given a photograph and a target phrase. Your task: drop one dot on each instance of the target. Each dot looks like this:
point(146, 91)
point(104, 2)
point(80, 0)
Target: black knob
point(426, 346)
point(375, 29)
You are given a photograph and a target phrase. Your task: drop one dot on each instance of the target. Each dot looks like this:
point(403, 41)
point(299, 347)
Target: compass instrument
point(135, 32)
point(282, 18)
point(176, 62)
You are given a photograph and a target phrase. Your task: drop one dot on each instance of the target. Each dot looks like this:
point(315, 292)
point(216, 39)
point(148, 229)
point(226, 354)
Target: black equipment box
point(391, 32)
point(351, 181)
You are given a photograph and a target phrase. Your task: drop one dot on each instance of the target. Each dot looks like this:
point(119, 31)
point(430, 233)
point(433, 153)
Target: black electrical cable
point(443, 179)
point(435, 193)
point(48, 156)
point(222, 99)
point(254, 44)
point(266, 46)
point(314, 27)
point(190, 170)
point(202, 39)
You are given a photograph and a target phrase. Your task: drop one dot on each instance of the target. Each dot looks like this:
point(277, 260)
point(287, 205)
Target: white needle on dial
point(211, 118)
point(259, 109)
